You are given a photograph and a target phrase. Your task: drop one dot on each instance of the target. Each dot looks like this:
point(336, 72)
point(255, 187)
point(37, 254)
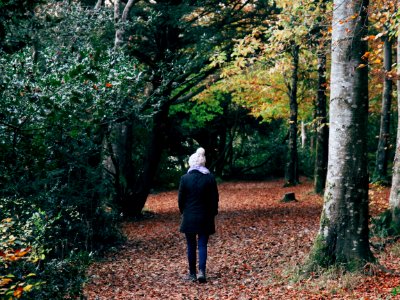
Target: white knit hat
point(198, 158)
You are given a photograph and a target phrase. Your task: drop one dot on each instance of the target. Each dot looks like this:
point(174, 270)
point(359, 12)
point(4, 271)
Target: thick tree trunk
point(343, 235)
point(380, 174)
point(150, 164)
point(321, 150)
point(123, 166)
point(292, 172)
point(394, 200)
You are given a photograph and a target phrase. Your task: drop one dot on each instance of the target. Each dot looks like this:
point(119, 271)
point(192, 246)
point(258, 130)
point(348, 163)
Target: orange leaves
point(18, 292)
point(352, 17)
point(13, 255)
point(107, 85)
point(259, 244)
point(366, 55)
point(22, 252)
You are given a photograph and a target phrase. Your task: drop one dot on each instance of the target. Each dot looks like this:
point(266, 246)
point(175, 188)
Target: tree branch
point(194, 83)
point(127, 8)
point(99, 3)
point(200, 89)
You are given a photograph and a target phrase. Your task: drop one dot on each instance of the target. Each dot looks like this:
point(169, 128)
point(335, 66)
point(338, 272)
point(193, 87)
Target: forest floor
point(256, 253)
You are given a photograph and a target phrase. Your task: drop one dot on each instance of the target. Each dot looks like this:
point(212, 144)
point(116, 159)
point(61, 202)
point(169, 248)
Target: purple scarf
point(201, 169)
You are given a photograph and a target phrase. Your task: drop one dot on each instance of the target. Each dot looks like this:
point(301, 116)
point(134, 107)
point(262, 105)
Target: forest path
point(258, 244)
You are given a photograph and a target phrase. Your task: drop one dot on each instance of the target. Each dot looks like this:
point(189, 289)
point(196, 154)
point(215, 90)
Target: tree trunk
point(394, 199)
point(321, 155)
point(292, 173)
point(380, 174)
point(303, 135)
point(343, 235)
point(99, 4)
point(124, 171)
point(150, 164)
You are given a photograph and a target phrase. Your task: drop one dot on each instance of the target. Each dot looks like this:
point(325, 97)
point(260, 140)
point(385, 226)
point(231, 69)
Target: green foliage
point(395, 291)
point(384, 225)
point(55, 110)
point(247, 147)
point(19, 259)
point(30, 265)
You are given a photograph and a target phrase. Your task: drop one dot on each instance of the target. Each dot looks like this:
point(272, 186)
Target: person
point(198, 204)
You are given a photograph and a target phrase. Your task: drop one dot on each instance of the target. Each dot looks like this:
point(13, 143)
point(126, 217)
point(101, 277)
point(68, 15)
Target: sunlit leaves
point(15, 251)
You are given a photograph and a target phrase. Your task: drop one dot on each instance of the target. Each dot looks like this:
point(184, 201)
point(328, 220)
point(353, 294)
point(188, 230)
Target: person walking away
point(198, 204)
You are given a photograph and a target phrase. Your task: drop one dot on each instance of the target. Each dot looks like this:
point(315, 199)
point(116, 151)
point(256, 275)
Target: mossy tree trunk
point(343, 235)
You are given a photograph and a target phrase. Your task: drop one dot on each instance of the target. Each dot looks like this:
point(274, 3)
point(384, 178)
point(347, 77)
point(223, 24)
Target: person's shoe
point(191, 277)
point(202, 277)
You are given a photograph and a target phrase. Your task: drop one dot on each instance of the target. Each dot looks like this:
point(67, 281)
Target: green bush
point(384, 226)
point(44, 254)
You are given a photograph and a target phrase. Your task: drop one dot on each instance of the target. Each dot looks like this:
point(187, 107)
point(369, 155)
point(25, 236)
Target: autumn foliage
point(257, 252)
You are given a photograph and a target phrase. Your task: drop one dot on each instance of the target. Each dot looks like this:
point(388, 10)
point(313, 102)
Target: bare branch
point(117, 7)
point(99, 3)
point(127, 8)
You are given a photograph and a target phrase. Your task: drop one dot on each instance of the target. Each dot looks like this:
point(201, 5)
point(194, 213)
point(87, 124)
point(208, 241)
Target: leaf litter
point(259, 244)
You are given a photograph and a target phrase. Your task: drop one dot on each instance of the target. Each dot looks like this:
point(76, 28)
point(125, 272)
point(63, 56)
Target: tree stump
point(289, 197)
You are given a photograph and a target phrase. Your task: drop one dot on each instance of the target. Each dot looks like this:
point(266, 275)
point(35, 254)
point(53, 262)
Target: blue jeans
point(192, 242)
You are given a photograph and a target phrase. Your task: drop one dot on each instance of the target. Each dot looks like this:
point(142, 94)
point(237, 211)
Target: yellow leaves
point(16, 286)
point(353, 16)
point(5, 281)
point(28, 287)
point(218, 59)
point(360, 66)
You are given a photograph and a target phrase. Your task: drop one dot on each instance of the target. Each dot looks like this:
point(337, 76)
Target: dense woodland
point(102, 102)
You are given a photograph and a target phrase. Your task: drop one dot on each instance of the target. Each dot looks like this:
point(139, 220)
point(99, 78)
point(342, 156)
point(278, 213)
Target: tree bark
point(343, 234)
point(292, 172)
point(151, 162)
point(303, 135)
point(123, 165)
point(380, 174)
point(394, 199)
point(120, 20)
point(99, 4)
point(321, 149)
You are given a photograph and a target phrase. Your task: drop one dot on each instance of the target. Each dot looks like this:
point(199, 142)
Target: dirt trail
point(258, 244)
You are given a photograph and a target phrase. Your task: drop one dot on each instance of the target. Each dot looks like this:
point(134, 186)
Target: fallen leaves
point(259, 243)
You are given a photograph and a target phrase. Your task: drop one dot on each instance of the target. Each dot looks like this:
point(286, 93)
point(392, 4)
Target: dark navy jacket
point(198, 202)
